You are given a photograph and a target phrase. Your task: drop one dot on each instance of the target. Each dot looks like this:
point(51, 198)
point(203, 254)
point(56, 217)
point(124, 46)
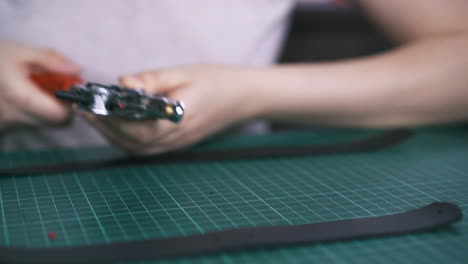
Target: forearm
point(420, 83)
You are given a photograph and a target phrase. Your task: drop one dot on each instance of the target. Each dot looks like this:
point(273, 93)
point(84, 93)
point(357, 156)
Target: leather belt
point(379, 141)
point(426, 218)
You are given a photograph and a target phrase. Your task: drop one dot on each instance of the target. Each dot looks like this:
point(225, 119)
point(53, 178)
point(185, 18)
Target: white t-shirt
point(113, 37)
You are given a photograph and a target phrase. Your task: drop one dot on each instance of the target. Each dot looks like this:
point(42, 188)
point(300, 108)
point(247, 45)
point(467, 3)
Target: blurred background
point(323, 30)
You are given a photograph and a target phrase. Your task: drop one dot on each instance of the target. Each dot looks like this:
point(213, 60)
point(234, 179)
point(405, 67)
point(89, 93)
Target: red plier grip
point(52, 81)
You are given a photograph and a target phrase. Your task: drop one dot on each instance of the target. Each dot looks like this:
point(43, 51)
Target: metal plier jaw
point(114, 100)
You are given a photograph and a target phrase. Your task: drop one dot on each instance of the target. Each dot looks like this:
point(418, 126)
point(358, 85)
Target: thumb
point(52, 60)
point(161, 81)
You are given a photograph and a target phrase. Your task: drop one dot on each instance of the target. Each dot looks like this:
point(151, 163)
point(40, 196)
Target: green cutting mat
point(174, 200)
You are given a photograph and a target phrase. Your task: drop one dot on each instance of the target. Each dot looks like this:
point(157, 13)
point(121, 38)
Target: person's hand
point(22, 103)
point(215, 97)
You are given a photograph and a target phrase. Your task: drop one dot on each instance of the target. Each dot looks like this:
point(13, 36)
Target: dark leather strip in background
point(386, 139)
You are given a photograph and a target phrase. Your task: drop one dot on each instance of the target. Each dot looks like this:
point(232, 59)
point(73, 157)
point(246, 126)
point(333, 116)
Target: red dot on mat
point(52, 235)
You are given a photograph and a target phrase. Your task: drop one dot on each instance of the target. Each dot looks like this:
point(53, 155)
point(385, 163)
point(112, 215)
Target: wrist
point(256, 85)
point(283, 92)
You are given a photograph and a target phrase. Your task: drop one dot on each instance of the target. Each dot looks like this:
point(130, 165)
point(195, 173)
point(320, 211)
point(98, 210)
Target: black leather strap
point(376, 142)
point(429, 217)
